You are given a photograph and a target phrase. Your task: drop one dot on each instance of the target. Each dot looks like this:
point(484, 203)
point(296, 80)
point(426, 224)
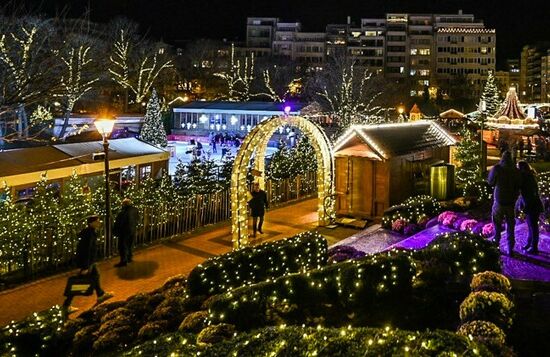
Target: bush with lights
point(412, 215)
point(310, 341)
point(358, 292)
point(250, 265)
point(486, 333)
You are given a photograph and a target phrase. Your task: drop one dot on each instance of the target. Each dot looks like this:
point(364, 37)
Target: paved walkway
point(153, 265)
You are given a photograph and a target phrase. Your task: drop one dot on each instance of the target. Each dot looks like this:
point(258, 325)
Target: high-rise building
point(531, 74)
point(545, 78)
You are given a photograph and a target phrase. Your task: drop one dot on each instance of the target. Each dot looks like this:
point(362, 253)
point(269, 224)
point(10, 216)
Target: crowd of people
point(532, 148)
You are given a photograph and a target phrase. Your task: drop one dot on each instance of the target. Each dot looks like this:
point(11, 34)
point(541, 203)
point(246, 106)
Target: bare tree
point(26, 69)
point(79, 66)
point(348, 93)
point(238, 77)
point(135, 64)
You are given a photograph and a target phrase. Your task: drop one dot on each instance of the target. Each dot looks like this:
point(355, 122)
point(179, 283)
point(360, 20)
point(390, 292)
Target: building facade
point(430, 49)
point(534, 73)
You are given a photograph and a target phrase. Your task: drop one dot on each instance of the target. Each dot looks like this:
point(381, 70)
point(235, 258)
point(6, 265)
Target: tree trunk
point(65, 124)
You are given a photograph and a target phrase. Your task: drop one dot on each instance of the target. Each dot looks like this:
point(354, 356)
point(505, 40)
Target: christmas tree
point(467, 154)
point(153, 129)
point(490, 94)
point(13, 232)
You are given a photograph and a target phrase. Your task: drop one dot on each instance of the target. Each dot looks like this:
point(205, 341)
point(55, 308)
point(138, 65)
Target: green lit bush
point(487, 306)
point(324, 342)
point(455, 257)
point(250, 265)
point(370, 290)
point(416, 210)
point(491, 281)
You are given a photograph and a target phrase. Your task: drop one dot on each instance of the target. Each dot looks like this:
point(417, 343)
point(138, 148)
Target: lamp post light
point(401, 110)
point(105, 128)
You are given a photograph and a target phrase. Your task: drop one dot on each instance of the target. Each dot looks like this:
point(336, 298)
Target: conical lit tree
point(467, 154)
point(490, 94)
point(153, 129)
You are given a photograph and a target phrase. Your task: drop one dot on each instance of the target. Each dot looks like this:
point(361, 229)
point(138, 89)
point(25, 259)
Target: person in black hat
point(86, 255)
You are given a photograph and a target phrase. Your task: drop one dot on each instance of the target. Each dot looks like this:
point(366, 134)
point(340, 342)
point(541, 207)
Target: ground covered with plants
point(286, 299)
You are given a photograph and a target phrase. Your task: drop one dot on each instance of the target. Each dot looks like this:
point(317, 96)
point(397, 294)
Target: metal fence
point(42, 252)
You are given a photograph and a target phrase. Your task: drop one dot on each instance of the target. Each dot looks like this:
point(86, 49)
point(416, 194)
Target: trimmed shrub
point(368, 290)
point(484, 332)
point(194, 322)
point(344, 252)
point(455, 257)
point(324, 342)
point(216, 333)
point(491, 281)
point(487, 306)
point(153, 329)
point(249, 265)
point(416, 209)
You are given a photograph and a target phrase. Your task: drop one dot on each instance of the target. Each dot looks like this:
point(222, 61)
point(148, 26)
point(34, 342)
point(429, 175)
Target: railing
point(43, 253)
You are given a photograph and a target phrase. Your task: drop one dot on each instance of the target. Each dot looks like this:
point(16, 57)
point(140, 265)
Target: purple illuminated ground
point(520, 267)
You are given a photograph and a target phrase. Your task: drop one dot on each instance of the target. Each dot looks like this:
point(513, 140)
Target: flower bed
point(250, 265)
point(412, 215)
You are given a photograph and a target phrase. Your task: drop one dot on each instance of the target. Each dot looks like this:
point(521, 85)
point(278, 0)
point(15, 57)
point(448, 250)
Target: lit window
point(401, 69)
point(424, 51)
point(370, 33)
point(424, 72)
point(414, 51)
point(413, 72)
point(483, 49)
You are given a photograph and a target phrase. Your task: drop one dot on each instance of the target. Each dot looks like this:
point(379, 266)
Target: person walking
point(125, 228)
point(505, 179)
point(86, 252)
point(531, 205)
point(258, 204)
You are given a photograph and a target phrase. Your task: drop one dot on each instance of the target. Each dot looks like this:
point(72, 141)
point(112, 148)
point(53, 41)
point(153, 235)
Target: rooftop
point(220, 106)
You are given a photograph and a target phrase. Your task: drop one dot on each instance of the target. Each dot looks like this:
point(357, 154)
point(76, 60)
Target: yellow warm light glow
point(104, 126)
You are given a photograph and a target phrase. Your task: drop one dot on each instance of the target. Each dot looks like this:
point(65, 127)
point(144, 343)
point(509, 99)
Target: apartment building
point(432, 49)
point(534, 61)
point(509, 77)
point(545, 78)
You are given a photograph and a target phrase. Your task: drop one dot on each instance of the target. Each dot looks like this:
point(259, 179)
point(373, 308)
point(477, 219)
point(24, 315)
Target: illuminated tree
point(490, 94)
point(153, 127)
point(26, 69)
point(77, 74)
point(135, 64)
point(238, 77)
point(467, 154)
point(349, 93)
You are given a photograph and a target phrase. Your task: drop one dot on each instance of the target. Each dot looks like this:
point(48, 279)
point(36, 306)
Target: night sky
point(526, 22)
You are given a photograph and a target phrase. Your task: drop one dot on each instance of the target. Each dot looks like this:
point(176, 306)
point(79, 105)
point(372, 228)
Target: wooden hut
point(381, 165)
point(415, 113)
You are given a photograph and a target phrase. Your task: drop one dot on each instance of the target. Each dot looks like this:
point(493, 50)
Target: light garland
point(255, 144)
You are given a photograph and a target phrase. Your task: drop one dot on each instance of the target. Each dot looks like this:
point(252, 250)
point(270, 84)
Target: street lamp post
point(105, 128)
point(483, 111)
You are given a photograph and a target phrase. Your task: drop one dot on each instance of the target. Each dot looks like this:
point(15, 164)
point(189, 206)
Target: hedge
point(362, 289)
point(413, 210)
point(250, 265)
point(324, 342)
point(369, 291)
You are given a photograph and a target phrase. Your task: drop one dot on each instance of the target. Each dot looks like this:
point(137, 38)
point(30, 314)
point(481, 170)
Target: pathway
point(153, 265)
point(520, 267)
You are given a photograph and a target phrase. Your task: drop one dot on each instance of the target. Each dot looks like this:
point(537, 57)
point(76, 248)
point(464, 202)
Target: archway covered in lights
point(255, 144)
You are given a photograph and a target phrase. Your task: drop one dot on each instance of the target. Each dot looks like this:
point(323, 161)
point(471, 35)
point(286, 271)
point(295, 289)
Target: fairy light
point(255, 144)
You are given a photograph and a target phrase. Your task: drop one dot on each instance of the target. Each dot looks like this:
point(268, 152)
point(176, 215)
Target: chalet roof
point(452, 114)
point(391, 140)
point(222, 106)
point(415, 109)
point(62, 156)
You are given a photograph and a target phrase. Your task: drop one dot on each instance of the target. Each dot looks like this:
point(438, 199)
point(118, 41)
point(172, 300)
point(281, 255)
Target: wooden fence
point(43, 254)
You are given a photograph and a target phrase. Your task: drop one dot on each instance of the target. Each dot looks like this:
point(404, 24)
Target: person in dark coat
point(86, 255)
point(258, 204)
point(125, 229)
point(531, 205)
point(506, 180)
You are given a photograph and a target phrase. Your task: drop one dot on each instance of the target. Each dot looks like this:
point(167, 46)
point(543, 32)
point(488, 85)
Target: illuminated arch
point(256, 143)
